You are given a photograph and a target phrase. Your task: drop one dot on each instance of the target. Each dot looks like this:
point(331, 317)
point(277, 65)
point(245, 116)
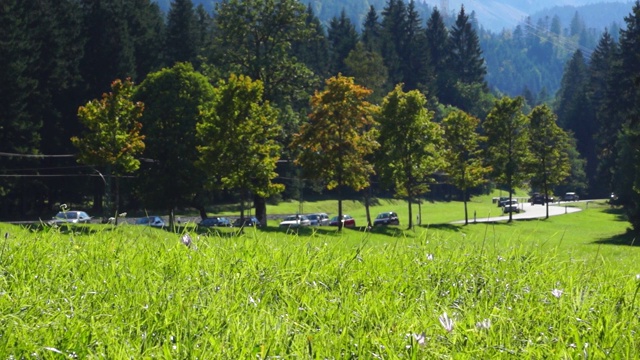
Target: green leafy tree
point(241, 128)
point(506, 128)
point(463, 153)
point(113, 139)
point(255, 38)
point(549, 162)
point(340, 133)
point(172, 99)
point(410, 144)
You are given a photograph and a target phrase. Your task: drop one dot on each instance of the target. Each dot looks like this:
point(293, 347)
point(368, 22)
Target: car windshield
point(67, 215)
point(313, 217)
point(383, 216)
point(143, 221)
point(291, 218)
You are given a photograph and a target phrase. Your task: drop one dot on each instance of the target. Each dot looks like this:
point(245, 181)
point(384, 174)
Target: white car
point(319, 219)
point(71, 217)
point(295, 221)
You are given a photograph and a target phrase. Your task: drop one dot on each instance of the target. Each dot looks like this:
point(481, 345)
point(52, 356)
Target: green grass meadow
point(562, 288)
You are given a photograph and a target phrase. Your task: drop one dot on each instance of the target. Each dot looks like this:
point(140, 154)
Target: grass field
point(565, 287)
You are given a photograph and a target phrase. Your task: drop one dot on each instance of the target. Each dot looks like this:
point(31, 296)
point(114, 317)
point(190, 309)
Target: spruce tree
point(343, 38)
point(181, 43)
point(602, 93)
point(371, 30)
point(466, 56)
point(438, 50)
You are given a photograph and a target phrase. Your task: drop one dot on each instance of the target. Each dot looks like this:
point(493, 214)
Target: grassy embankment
point(560, 288)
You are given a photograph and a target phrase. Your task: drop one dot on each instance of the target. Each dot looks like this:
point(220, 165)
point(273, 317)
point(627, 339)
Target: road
point(528, 211)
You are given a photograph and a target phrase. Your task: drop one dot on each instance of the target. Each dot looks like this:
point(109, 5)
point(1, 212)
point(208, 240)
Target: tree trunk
point(409, 193)
point(466, 213)
point(202, 211)
point(260, 204)
point(172, 222)
point(117, 202)
point(367, 200)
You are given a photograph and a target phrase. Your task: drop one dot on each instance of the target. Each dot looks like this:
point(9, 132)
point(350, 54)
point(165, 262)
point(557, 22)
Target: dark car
point(386, 218)
point(248, 221)
point(215, 221)
point(502, 200)
point(511, 206)
point(347, 221)
point(541, 199)
point(154, 221)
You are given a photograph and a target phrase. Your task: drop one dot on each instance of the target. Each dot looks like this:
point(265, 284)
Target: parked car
point(347, 221)
point(502, 200)
point(251, 221)
point(154, 221)
point(511, 206)
point(386, 218)
point(215, 221)
point(295, 221)
point(570, 196)
point(319, 219)
point(71, 217)
point(541, 199)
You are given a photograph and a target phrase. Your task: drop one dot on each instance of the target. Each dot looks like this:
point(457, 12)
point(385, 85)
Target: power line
point(39, 156)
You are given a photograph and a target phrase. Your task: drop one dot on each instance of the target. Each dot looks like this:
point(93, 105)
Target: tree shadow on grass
point(629, 238)
point(619, 212)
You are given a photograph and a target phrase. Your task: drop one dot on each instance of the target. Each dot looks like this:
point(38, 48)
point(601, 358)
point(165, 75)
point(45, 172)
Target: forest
point(117, 105)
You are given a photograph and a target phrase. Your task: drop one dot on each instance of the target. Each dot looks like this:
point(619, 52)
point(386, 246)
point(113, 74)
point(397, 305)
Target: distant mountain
point(493, 15)
point(496, 15)
point(596, 16)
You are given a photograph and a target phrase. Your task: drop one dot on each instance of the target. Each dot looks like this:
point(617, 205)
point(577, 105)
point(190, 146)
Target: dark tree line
point(599, 103)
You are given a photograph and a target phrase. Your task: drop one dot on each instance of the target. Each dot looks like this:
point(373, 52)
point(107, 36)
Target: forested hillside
point(114, 102)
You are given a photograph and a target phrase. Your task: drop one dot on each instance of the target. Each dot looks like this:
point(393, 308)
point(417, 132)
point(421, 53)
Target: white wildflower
point(446, 322)
point(484, 324)
point(557, 293)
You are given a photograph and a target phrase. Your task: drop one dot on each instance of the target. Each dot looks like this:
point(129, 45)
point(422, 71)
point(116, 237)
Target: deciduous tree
point(237, 134)
point(254, 38)
point(172, 99)
point(410, 144)
point(340, 134)
point(506, 128)
point(463, 153)
point(549, 162)
point(113, 138)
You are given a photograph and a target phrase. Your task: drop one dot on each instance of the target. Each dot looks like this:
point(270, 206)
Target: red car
point(347, 221)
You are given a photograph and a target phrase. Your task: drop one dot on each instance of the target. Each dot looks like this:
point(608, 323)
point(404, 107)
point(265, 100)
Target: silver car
point(71, 217)
point(318, 219)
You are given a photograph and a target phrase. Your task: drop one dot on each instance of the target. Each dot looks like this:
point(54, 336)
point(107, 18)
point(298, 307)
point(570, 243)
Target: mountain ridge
point(493, 15)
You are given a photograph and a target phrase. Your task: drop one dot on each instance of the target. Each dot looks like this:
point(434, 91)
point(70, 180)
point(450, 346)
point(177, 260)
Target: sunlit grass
point(565, 287)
